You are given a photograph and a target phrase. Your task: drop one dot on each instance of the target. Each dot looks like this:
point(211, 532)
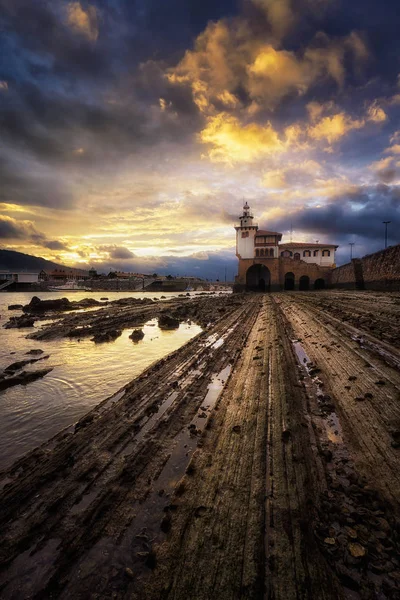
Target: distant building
point(267, 265)
point(66, 274)
point(8, 277)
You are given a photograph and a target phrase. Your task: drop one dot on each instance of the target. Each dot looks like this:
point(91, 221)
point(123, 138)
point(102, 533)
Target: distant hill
point(9, 259)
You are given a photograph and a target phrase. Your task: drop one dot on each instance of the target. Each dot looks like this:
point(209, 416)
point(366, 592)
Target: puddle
point(150, 513)
point(314, 385)
point(214, 341)
point(387, 356)
point(334, 429)
point(156, 416)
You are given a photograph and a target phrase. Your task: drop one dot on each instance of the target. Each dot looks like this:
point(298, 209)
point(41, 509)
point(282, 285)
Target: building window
point(271, 252)
point(296, 256)
point(286, 253)
point(261, 252)
point(245, 234)
point(306, 253)
point(257, 252)
point(315, 252)
point(326, 252)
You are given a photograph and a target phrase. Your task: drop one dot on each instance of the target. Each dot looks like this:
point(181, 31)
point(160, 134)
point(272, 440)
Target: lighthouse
point(267, 265)
point(245, 234)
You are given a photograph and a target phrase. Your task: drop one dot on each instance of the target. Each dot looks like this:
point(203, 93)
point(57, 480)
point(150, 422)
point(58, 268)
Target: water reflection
point(84, 374)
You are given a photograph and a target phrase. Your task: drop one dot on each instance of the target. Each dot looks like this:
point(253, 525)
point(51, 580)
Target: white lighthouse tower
point(245, 233)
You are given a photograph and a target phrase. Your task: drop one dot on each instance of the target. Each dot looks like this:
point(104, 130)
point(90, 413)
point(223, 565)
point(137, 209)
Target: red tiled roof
point(306, 245)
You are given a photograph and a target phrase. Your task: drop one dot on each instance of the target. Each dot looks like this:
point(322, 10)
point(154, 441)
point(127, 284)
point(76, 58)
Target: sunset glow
point(131, 137)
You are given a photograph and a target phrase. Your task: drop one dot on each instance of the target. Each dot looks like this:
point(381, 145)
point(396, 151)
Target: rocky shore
point(260, 460)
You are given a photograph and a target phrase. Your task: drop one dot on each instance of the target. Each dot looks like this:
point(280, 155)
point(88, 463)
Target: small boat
point(69, 286)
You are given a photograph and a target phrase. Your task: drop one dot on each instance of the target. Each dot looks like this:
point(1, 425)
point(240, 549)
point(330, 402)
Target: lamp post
point(351, 244)
point(386, 224)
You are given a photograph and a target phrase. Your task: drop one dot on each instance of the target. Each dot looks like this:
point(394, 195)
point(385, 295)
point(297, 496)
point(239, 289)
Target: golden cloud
point(376, 114)
point(234, 142)
point(295, 176)
point(382, 164)
point(395, 149)
point(228, 55)
point(83, 22)
point(331, 129)
point(279, 14)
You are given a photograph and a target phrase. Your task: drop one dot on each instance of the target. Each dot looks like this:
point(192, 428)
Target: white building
point(267, 264)
point(318, 254)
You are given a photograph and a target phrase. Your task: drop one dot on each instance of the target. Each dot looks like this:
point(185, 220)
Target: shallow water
point(84, 373)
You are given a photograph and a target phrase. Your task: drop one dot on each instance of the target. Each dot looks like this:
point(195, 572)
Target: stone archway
point(304, 283)
point(258, 278)
point(319, 284)
point(289, 281)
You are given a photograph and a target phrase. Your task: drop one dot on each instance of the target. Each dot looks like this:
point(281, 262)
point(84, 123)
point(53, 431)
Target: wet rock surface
point(166, 321)
point(285, 486)
point(22, 378)
point(136, 335)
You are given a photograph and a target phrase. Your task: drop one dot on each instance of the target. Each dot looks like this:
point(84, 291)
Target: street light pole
point(351, 244)
point(386, 224)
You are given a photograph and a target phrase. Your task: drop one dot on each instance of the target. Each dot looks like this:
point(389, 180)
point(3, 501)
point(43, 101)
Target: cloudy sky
point(132, 130)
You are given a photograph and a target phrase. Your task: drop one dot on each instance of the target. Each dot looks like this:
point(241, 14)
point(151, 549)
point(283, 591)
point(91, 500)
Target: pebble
point(356, 550)
point(330, 540)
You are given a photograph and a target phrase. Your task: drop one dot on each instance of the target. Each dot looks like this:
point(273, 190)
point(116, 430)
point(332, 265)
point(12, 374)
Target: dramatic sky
point(132, 130)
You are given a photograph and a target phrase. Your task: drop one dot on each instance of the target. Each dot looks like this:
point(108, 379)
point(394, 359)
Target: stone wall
point(378, 271)
point(344, 277)
point(381, 271)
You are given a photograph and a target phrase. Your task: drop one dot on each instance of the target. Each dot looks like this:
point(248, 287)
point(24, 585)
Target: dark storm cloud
point(55, 245)
point(121, 253)
point(72, 99)
point(23, 182)
point(11, 229)
point(357, 214)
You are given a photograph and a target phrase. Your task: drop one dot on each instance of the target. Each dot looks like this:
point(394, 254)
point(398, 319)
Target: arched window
point(262, 252)
point(271, 252)
point(286, 253)
point(326, 252)
point(315, 252)
point(257, 252)
point(296, 256)
point(306, 253)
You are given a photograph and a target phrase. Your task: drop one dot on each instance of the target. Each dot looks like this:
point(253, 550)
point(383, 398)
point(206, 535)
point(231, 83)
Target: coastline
point(246, 460)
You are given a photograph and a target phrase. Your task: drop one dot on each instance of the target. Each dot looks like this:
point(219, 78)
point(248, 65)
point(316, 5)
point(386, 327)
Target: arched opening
point(262, 252)
point(296, 256)
point(306, 253)
point(258, 278)
point(257, 252)
point(271, 252)
point(304, 283)
point(289, 281)
point(319, 284)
